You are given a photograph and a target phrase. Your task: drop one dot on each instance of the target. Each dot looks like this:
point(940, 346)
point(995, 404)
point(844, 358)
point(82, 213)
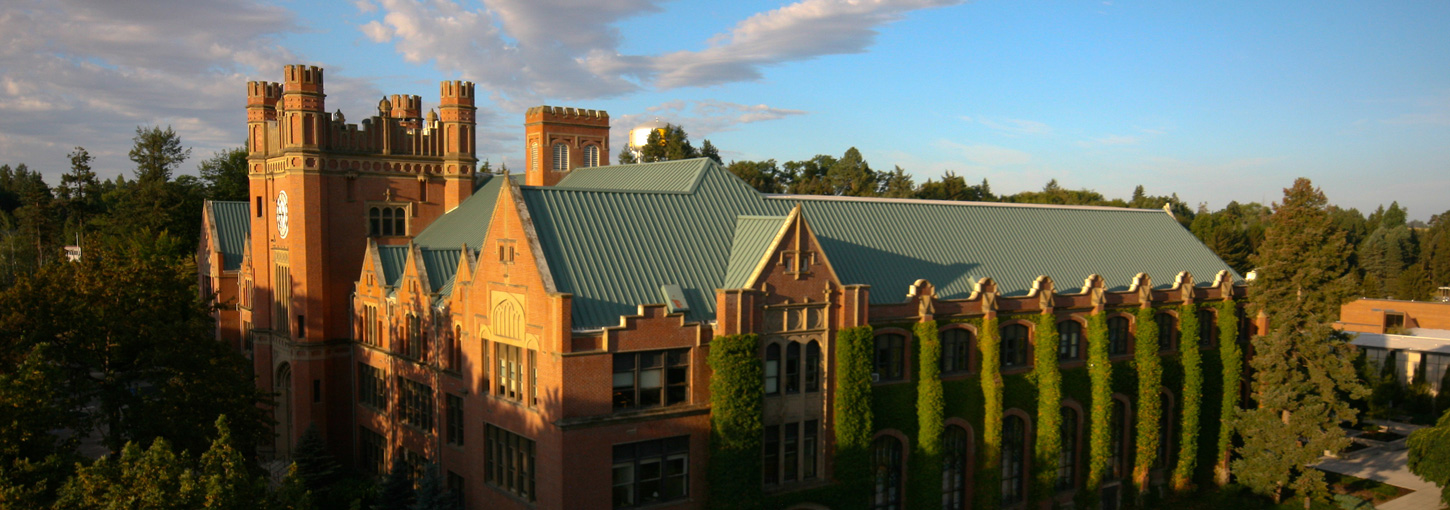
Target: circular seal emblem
point(282, 214)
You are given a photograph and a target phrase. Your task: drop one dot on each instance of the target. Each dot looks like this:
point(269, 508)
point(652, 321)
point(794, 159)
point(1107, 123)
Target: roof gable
point(467, 223)
point(753, 238)
point(231, 227)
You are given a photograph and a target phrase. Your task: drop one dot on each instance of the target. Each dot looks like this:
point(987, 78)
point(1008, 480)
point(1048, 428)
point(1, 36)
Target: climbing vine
point(736, 390)
point(929, 400)
point(1228, 352)
point(1192, 396)
point(1150, 406)
point(1100, 372)
point(853, 413)
point(991, 472)
point(1049, 406)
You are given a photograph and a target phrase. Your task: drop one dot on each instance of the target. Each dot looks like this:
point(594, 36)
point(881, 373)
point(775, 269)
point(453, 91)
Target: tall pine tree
point(1302, 368)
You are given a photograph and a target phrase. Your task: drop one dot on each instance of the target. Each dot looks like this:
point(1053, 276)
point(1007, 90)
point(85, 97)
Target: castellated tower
point(557, 140)
point(321, 190)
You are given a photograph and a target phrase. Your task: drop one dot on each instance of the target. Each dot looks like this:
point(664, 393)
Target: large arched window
point(1014, 459)
point(1207, 332)
point(890, 356)
point(1167, 331)
point(956, 346)
point(561, 157)
point(813, 366)
point(591, 155)
point(387, 221)
point(375, 221)
point(954, 462)
point(534, 155)
point(793, 367)
point(1067, 456)
point(1069, 340)
point(886, 473)
point(772, 369)
point(1014, 346)
point(1118, 336)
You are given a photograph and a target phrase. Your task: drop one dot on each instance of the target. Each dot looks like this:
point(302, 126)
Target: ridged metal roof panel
point(753, 235)
point(233, 228)
point(394, 259)
point(440, 265)
point(466, 224)
point(679, 176)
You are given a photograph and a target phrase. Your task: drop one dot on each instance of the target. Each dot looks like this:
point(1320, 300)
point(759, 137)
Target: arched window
point(954, 462)
point(1207, 332)
point(1014, 459)
point(772, 369)
point(1117, 336)
point(561, 157)
point(793, 367)
point(813, 366)
point(956, 345)
point(591, 155)
point(1118, 427)
point(890, 357)
point(1014, 346)
point(1069, 340)
point(1167, 332)
point(387, 221)
point(534, 155)
point(375, 221)
point(399, 227)
point(1067, 457)
point(886, 468)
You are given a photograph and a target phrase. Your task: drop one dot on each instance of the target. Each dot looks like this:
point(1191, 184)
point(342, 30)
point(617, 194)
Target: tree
point(764, 176)
point(152, 479)
point(315, 466)
point(708, 150)
point(291, 494)
point(851, 175)
point(397, 491)
point(1429, 455)
point(157, 153)
point(431, 495)
point(954, 187)
point(225, 175)
point(225, 477)
point(897, 184)
point(1302, 368)
point(626, 157)
point(668, 144)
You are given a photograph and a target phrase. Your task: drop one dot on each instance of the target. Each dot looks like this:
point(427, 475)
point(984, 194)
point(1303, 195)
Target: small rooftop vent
point(674, 298)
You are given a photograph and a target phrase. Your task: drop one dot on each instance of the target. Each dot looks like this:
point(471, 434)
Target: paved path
point(1388, 466)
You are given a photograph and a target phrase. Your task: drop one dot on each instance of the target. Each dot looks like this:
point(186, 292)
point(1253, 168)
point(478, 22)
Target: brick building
point(542, 338)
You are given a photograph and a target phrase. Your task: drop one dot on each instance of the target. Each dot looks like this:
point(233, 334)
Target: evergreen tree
point(764, 176)
point(225, 175)
point(668, 144)
point(626, 157)
point(225, 477)
point(1435, 250)
point(315, 465)
point(291, 494)
point(397, 490)
point(851, 175)
point(157, 153)
point(1302, 368)
point(154, 479)
point(1429, 455)
point(431, 494)
point(954, 187)
point(897, 184)
point(708, 150)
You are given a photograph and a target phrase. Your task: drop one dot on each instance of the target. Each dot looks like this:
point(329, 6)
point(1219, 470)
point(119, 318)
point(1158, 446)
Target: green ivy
point(929, 401)
point(990, 343)
point(1232, 358)
point(1100, 370)
point(853, 413)
point(736, 390)
point(1150, 406)
point(1049, 407)
point(1192, 396)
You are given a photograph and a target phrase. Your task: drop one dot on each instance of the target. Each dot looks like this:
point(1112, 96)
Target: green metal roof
point(233, 228)
point(394, 259)
point(440, 266)
point(467, 223)
point(753, 235)
point(663, 177)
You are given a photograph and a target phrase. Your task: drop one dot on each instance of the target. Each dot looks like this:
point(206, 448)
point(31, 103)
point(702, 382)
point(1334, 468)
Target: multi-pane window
point(455, 488)
point(886, 473)
point(956, 345)
point(1014, 346)
point(510, 371)
point(890, 357)
point(772, 369)
point(591, 155)
point(1167, 331)
point(1067, 456)
point(1435, 366)
point(1069, 340)
point(1014, 460)
point(650, 472)
point(387, 221)
point(369, 326)
point(813, 366)
point(1165, 439)
point(281, 297)
point(770, 460)
point(533, 378)
point(791, 452)
point(954, 462)
point(1375, 358)
point(810, 448)
point(1207, 332)
point(416, 463)
point(372, 387)
point(561, 157)
point(415, 403)
point(1118, 427)
point(415, 343)
point(455, 420)
point(455, 349)
point(646, 379)
point(1118, 336)
point(793, 367)
point(509, 462)
point(371, 452)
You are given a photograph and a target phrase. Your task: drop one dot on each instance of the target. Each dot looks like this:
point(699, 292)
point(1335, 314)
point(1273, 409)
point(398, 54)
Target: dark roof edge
point(783, 196)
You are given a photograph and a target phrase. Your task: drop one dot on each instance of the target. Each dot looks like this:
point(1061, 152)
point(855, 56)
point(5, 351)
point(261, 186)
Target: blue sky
point(1220, 102)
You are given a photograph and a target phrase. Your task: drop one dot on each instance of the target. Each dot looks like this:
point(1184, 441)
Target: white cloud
point(1013, 126)
point(988, 155)
point(524, 50)
point(377, 32)
point(699, 119)
point(1109, 140)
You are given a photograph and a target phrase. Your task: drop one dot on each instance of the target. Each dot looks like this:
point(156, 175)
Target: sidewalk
point(1388, 466)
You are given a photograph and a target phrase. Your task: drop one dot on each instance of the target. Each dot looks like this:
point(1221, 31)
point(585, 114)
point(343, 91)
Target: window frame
point(560, 151)
point(889, 359)
point(1021, 352)
point(1168, 337)
point(887, 462)
point(1014, 460)
point(633, 455)
point(673, 379)
point(956, 466)
point(509, 462)
point(1072, 342)
point(1120, 336)
point(956, 350)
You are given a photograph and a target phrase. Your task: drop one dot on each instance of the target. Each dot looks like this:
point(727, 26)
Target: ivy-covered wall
point(736, 389)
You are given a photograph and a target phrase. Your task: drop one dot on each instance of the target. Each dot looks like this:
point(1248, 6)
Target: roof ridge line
point(926, 201)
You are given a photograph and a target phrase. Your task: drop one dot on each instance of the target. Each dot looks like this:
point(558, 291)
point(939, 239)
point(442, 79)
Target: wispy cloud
point(1012, 126)
point(1109, 140)
point(987, 155)
point(700, 119)
point(1429, 112)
